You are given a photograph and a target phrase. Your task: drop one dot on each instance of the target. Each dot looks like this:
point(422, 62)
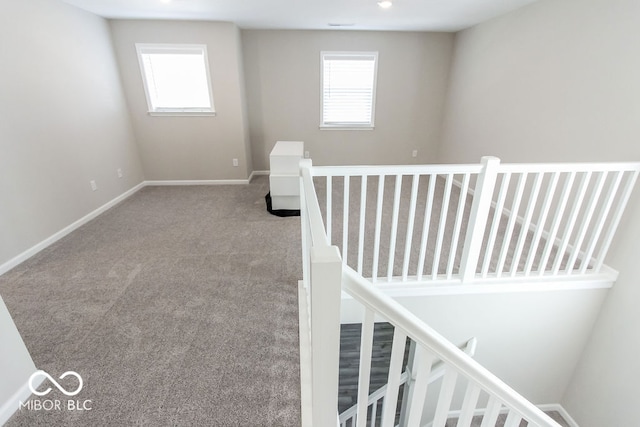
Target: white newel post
point(482, 197)
point(326, 276)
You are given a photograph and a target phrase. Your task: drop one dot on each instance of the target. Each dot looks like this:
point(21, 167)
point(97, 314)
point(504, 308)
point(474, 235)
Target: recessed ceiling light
point(385, 4)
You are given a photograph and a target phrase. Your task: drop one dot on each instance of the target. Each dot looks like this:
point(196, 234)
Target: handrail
point(371, 170)
point(318, 233)
point(369, 296)
point(568, 167)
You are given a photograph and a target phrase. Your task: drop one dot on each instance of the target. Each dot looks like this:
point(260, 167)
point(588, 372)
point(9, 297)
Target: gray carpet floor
point(177, 307)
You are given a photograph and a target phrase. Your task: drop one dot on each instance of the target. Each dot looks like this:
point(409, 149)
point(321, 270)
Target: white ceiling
point(404, 15)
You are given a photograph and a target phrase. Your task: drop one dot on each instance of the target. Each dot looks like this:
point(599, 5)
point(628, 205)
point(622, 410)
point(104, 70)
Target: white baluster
point(366, 345)
point(542, 218)
point(441, 227)
point(492, 412)
point(524, 230)
point(345, 221)
point(444, 400)
point(468, 405)
point(418, 391)
point(577, 203)
point(393, 382)
point(515, 207)
point(464, 192)
point(586, 220)
point(495, 225)
point(604, 213)
point(376, 238)
point(557, 219)
point(426, 225)
point(374, 413)
point(394, 227)
point(513, 419)
point(615, 221)
point(412, 216)
point(363, 211)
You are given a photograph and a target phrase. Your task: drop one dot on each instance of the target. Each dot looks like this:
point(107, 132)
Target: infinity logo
point(66, 374)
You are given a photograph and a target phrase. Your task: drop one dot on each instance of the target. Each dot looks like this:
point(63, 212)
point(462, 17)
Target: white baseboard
point(257, 173)
point(10, 407)
point(68, 229)
point(563, 412)
point(77, 224)
point(182, 182)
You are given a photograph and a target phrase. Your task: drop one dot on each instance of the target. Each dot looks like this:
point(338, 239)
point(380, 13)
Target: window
point(176, 79)
point(348, 89)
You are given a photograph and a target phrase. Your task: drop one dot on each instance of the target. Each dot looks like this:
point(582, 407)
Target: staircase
point(350, 339)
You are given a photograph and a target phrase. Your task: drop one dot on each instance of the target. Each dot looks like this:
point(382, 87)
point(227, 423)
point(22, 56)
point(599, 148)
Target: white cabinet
point(284, 183)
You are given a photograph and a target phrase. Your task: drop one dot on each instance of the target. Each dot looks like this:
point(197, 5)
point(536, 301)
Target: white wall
point(63, 122)
point(553, 81)
point(558, 81)
point(179, 147)
point(604, 386)
point(282, 70)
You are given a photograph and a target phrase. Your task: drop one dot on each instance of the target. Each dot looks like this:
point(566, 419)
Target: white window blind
point(176, 78)
point(348, 89)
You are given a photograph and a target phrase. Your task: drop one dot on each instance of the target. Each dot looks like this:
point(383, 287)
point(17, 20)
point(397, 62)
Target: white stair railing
point(541, 222)
point(460, 371)
point(567, 215)
point(325, 277)
point(348, 417)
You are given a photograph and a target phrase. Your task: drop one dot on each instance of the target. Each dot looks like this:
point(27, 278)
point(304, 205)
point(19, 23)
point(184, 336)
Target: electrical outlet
point(414, 153)
point(235, 162)
point(119, 172)
point(93, 184)
point(306, 154)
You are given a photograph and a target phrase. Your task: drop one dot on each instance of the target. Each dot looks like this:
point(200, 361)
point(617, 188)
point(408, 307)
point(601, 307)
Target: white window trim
point(177, 48)
point(349, 126)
